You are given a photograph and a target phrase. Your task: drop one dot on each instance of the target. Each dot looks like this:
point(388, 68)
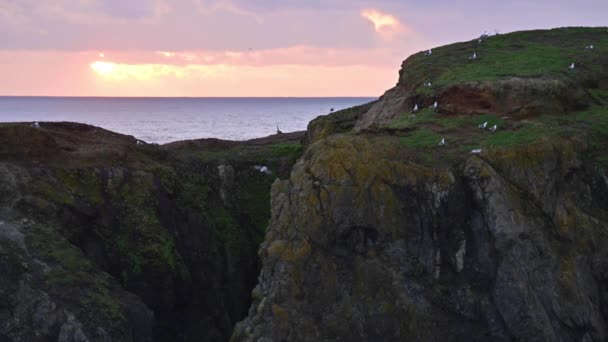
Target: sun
point(103, 68)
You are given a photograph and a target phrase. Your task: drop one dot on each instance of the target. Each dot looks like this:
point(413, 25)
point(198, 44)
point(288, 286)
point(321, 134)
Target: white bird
point(415, 108)
point(483, 125)
point(263, 169)
point(477, 151)
point(435, 105)
point(36, 125)
point(430, 52)
point(428, 84)
point(139, 142)
point(571, 67)
point(590, 47)
point(442, 142)
point(494, 128)
point(474, 56)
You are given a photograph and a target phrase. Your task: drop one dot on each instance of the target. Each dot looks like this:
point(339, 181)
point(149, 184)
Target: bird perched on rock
point(571, 67)
point(483, 125)
point(278, 130)
point(494, 128)
point(263, 169)
point(442, 142)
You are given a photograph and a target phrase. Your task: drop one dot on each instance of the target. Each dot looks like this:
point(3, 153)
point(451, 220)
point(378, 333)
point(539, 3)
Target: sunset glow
point(103, 68)
point(242, 48)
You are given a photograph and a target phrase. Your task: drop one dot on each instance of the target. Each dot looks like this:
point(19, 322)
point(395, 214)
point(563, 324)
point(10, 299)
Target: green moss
point(422, 138)
point(73, 278)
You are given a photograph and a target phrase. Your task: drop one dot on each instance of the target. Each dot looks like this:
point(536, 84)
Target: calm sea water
point(162, 120)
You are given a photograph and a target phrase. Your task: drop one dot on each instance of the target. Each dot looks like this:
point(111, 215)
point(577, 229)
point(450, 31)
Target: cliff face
point(102, 238)
point(382, 234)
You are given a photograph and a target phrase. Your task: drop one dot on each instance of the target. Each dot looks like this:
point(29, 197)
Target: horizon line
point(183, 97)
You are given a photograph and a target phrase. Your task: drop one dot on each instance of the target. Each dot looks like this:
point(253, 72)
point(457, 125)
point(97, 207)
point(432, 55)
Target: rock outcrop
point(383, 234)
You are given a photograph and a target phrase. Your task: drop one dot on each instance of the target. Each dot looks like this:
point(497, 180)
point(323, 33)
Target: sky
point(234, 48)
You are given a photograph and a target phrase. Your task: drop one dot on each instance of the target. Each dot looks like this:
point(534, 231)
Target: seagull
point(278, 130)
point(571, 67)
point(483, 125)
point(494, 128)
point(428, 84)
point(263, 169)
point(139, 142)
point(474, 56)
point(442, 142)
point(590, 47)
point(429, 52)
point(415, 108)
point(435, 105)
point(36, 125)
point(477, 151)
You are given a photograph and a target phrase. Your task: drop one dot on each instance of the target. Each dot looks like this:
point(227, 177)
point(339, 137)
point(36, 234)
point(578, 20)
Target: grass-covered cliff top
point(521, 82)
point(540, 53)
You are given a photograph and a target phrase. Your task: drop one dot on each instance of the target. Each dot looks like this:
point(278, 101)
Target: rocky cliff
point(382, 233)
point(104, 238)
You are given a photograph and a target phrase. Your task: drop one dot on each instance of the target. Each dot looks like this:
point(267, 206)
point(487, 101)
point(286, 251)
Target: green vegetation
point(281, 150)
point(522, 54)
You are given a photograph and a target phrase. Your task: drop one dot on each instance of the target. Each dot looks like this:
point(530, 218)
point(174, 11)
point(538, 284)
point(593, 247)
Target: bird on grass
point(494, 128)
point(36, 125)
point(477, 151)
point(442, 142)
point(483, 125)
point(589, 47)
point(415, 109)
point(474, 56)
point(435, 105)
point(428, 84)
point(429, 52)
point(571, 67)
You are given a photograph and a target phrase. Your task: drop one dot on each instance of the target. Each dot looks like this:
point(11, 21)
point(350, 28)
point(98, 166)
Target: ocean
point(163, 120)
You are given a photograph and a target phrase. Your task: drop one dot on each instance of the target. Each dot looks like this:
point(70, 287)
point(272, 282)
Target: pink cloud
point(386, 25)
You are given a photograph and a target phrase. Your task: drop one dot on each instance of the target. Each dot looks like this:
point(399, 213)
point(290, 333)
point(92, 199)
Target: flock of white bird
point(435, 105)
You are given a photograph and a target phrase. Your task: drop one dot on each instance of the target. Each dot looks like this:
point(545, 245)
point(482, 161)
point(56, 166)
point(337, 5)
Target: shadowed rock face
point(384, 249)
point(105, 239)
